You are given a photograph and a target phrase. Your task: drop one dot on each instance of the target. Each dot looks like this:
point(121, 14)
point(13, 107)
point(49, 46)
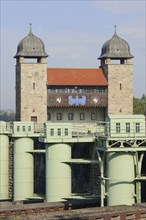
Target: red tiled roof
point(76, 76)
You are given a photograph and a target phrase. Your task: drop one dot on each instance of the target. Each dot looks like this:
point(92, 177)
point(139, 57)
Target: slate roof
point(31, 47)
point(115, 48)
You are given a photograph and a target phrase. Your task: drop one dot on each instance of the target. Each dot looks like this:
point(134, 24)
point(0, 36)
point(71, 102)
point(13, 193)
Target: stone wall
point(120, 88)
point(31, 91)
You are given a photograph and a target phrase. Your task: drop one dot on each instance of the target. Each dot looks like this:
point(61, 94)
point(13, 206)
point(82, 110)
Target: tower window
point(122, 61)
point(33, 86)
point(120, 86)
point(49, 116)
point(33, 60)
point(34, 118)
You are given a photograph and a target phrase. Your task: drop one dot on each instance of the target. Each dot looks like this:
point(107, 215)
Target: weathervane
point(115, 29)
point(30, 26)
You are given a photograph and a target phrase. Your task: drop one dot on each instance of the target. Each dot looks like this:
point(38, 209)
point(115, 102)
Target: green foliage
point(7, 116)
point(139, 105)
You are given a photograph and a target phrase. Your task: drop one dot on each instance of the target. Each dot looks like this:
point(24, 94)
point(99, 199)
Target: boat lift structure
point(118, 145)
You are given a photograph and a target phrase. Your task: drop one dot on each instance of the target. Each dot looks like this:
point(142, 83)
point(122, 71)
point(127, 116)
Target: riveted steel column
point(58, 173)
point(4, 166)
point(120, 175)
point(23, 168)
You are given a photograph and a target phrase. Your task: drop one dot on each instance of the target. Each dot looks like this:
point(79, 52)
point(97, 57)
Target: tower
point(117, 66)
point(31, 79)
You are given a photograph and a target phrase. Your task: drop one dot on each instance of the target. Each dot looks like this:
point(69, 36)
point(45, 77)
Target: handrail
point(106, 129)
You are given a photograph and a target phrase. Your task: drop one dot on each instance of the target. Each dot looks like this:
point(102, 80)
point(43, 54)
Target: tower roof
point(31, 47)
point(115, 48)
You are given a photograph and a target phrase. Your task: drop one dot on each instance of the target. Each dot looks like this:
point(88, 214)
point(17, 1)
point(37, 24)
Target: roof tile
point(76, 76)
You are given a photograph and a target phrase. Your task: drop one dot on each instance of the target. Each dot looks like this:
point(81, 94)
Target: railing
point(132, 131)
point(76, 91)
point(38, 128)
point(104, 129)
point(88, 129)
point(108, 129)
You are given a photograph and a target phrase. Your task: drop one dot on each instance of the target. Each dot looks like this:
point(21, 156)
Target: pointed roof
point(76, 76)
point(31, 47)
point(115, 48)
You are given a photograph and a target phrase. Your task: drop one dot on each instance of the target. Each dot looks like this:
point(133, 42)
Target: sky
point(73, 32)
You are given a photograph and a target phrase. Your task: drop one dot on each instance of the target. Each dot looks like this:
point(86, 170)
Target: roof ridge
point(70, 68)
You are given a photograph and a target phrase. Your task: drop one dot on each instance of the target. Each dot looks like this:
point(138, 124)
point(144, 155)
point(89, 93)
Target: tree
point(139, 105)
point(7, 116)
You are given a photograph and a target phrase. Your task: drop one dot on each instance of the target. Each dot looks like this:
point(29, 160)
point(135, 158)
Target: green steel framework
point(119, 153)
